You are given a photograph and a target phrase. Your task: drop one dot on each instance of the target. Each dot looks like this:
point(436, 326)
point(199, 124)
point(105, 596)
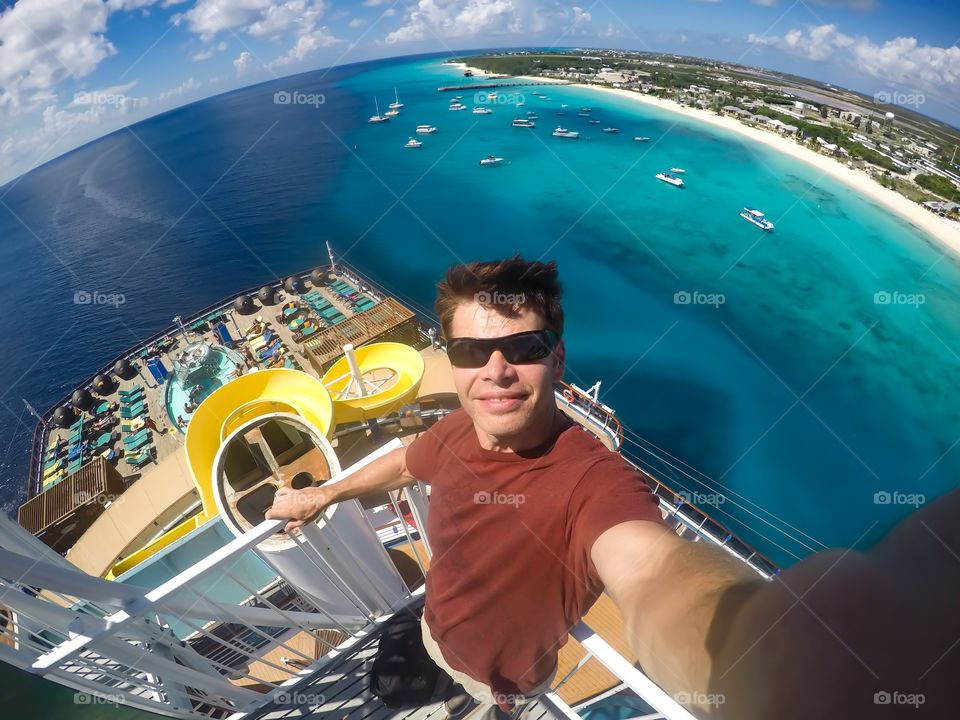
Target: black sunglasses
point(518, 349)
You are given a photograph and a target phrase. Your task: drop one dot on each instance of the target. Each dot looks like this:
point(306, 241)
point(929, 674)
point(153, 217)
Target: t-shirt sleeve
point(609, 493)
point(425, 452)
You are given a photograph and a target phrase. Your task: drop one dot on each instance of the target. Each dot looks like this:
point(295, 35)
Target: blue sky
point(73, 70)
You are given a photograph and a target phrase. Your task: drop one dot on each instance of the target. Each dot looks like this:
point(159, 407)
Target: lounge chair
point(260, 342)
point(131, 447)
point(141, 458)
point(133, 412)
point(102, 441)
point(135, 394)
point(130, 439)
point(74, 466)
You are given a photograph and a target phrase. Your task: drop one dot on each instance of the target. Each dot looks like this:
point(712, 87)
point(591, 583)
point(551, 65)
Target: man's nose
point(497, 368)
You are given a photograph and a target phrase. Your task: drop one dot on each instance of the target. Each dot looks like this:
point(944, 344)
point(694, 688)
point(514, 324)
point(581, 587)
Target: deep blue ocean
point(793, 402)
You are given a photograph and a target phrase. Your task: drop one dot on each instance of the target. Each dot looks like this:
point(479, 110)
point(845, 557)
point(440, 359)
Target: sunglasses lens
point(525, 347)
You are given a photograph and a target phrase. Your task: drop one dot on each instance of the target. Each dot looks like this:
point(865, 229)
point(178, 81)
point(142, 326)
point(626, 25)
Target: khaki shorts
point(480, 691)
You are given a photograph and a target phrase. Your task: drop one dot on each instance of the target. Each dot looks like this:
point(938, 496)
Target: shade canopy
point(81, 398)
point(244, 305)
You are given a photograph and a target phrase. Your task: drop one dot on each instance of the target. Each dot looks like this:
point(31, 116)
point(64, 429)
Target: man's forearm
point(670, 637)
point(381, 475)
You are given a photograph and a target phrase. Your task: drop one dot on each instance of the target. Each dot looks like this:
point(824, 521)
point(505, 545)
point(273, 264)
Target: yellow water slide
point(224, 410)
point(391, 375)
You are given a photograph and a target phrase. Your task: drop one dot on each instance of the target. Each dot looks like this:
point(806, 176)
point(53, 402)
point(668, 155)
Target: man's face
point(512, 406)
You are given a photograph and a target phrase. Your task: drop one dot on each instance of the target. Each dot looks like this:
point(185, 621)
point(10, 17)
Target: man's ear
point(560, 358)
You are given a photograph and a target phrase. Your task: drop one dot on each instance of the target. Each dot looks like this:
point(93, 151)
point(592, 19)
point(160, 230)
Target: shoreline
point(947, 232)
point(944, 231)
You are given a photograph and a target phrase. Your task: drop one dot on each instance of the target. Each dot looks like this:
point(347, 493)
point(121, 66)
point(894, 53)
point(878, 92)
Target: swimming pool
point(199, 370)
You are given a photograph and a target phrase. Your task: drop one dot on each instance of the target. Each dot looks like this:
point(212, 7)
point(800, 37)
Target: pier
point(512, 83)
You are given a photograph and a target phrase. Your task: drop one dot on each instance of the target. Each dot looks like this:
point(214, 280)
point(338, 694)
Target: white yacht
point(757, 218)
point(670, 178)
point(641, 138)
point(611, 130)
point(396, 104)
point(457, 106)
point(492, 160)
point(378, 118)
point(482, 111)
point(564, 133)
point(425, 129)
point(677, 171)
point(391, 113)
point(413, 143)
point(524, 123)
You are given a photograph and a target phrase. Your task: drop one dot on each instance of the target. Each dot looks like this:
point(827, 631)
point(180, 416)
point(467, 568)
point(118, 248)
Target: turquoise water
point(800, 397)
point(716, 387)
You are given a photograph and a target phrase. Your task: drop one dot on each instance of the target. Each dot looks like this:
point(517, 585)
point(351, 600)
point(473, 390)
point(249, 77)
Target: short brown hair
point(519, 282)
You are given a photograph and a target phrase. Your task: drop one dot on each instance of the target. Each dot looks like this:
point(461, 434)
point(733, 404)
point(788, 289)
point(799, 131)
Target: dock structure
point(491, 85)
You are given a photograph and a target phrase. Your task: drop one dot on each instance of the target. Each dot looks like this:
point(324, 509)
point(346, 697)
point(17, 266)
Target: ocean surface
point(801, 386)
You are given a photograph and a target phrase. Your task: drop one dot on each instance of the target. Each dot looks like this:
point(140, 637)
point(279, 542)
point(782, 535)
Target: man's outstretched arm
point(840, 634)
point(302, 506)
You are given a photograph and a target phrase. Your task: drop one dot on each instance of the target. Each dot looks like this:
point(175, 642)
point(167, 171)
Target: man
point(531, 518)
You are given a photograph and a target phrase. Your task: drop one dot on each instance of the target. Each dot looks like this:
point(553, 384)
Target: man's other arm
point(836, 635)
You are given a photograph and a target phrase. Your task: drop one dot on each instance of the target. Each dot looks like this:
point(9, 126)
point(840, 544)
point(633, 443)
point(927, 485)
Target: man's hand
point(299, 507)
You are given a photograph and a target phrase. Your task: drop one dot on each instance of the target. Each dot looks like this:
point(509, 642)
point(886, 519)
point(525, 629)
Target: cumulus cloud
point(209, 52)
point(455, 18)
point(266, 20)
point(43, 42)
point(260, 18)
point(306, 45)
point(242, 62)
point(902, 60)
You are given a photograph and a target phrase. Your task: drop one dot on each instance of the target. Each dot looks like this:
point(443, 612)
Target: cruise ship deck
point(120, 520)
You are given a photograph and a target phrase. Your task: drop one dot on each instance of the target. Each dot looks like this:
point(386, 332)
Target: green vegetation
point(939, 185)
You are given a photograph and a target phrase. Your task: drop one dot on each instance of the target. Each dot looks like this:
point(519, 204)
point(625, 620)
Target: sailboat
point(378, 118)
point(396, 104)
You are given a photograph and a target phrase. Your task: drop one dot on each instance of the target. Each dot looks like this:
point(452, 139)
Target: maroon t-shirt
point(511, 535)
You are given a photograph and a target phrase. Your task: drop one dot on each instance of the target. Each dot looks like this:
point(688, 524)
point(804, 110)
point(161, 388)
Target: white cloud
point(375, 3)
point(356, 23)
point(260, 18)
point(901, 60)
point(455, 18)
point(242, 63)
point(209, 52)
point(183, 88)
point(43, 42)
point(306, 45)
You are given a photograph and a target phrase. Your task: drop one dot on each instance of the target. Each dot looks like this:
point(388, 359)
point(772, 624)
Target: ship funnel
point(337, 560)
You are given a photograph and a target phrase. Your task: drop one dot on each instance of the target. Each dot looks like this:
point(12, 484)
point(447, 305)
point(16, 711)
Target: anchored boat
point(757, 218)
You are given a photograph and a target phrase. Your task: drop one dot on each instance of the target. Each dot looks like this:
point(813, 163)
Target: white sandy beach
point(947, 232)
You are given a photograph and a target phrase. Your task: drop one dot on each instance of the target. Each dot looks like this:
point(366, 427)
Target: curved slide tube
point(402, 360)
point(227, 408)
